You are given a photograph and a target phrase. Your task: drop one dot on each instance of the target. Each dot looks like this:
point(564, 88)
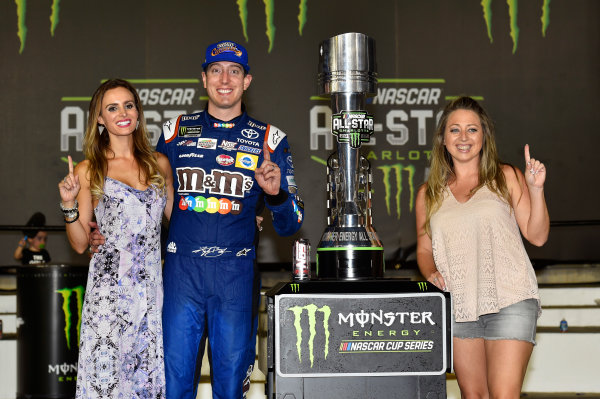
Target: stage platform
point(563, 365)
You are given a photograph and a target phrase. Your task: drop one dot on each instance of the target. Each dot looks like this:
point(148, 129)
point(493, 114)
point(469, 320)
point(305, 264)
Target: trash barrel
point(49, 303)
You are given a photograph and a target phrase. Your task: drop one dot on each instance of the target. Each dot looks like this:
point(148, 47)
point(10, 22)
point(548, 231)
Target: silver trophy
point(349, 248)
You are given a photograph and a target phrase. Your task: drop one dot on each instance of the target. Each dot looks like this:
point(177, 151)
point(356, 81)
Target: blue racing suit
point(209, 274)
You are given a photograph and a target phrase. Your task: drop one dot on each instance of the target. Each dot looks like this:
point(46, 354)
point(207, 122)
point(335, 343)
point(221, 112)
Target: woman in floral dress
point(126, 187)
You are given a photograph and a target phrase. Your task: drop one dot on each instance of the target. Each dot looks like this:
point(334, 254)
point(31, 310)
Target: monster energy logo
point(387, 175)
point(295, 287)
point(66, 307)
point(302, 18)
point(311, 311)
point(242, 7)
point(422, 286)
point(513, 8)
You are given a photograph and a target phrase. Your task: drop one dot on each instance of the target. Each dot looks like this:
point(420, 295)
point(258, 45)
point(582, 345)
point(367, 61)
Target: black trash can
point(49, 303)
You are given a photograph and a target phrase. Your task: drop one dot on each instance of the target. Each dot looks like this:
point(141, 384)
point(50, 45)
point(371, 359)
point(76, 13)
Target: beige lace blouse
point(477, 247)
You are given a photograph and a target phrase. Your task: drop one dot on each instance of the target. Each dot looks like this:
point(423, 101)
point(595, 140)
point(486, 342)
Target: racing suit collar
point(212, 119)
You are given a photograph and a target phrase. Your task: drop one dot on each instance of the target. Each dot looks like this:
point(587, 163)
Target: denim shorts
point(516, 322)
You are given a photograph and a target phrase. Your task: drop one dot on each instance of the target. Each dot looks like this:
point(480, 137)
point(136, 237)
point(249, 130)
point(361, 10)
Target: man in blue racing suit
point(225, 166)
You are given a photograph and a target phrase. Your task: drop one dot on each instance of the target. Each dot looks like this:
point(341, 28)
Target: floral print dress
point(121, 348)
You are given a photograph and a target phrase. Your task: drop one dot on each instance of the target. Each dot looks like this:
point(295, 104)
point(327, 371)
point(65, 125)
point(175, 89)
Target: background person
point(31, 249)
point(471, 213)
point(126, 187)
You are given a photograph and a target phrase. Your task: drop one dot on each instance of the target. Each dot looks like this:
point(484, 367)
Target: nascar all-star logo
point(354, 127)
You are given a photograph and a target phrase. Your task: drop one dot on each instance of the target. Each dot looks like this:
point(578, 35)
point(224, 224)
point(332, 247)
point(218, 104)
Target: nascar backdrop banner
point(533, 65)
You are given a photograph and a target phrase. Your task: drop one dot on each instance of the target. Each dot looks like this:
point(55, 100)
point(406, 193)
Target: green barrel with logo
point(49, 303)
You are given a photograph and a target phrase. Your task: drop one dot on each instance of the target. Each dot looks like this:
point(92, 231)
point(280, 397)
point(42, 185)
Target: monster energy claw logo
point(302, 19)
point(311, 310)
point(422, 286)
point(398, 169)
point(66, 307)
point(295, 287)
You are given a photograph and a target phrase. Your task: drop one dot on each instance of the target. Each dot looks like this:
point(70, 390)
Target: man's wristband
point(276, 199)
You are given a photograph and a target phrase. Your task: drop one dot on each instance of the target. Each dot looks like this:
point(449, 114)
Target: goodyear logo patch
point(246, 161)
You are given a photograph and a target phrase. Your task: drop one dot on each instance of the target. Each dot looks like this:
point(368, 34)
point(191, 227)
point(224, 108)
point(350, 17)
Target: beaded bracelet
point(76, 216)
point(70, 214)
point(67, 210)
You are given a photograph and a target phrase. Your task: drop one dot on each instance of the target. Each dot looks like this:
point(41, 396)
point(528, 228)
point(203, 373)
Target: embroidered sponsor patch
point(290, 180)
point(246, 161)
point(169, 129)
point(256, 125)
point(216, 181)
point(210, 252)
point(249, 149)
point(191, 155)
point(228, 145)
point(223, 125)
point(274, 137)
point(207, 144)
point(190, 131)
point(243, 252)
point(225, 160)
point(187, 143)
point(201, 204)
point(250, 134)
point(190, 117)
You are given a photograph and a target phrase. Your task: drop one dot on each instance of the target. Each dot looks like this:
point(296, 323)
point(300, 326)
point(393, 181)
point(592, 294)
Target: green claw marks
point(22, 26)
point(270, 18)
point(545, 16)
point(54, 16)
point(513, 11)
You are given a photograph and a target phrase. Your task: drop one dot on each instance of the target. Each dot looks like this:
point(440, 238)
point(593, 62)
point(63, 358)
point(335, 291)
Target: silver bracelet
point(67, 210)
point(70, 214)
point(71, 217)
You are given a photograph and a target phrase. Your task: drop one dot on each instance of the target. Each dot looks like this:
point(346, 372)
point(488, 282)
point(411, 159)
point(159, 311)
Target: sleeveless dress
point(121, 348)
point(478, 249)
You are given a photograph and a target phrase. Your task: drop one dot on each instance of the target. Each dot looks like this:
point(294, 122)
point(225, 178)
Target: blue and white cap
point(226, 50)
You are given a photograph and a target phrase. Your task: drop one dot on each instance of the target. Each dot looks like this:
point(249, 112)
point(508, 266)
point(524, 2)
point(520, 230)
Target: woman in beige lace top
point(471, 213)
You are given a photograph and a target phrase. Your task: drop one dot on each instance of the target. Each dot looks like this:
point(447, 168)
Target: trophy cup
point(349, 248)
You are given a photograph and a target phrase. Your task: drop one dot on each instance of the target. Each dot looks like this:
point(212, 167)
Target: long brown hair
point(96, 146)
point(441, 170)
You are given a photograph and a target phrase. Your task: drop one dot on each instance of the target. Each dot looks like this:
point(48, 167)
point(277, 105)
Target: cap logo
point(227, 46)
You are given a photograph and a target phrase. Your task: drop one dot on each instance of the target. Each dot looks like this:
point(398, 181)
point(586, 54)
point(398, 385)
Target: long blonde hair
point(441, 170)
point(96, 145)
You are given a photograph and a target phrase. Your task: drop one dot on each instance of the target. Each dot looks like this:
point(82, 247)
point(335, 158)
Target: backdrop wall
point(534, 65)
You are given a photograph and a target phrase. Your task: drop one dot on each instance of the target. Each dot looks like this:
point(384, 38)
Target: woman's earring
point(137, 125)
point(100, 129)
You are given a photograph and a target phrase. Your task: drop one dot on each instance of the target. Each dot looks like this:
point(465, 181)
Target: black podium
point(381, 338)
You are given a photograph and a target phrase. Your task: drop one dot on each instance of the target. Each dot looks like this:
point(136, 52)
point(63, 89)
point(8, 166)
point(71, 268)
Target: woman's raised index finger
point(70, 165)
point(527, 156)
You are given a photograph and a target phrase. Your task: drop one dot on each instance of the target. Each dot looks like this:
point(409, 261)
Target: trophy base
point(350, 263)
